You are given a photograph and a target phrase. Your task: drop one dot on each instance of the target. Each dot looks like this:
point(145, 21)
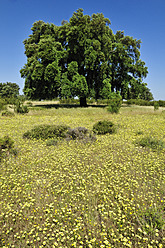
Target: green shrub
point(2, 104)
point(139, 132)
point(51, 142)
point(47, 132)
point(20, 108)
point(153, 218)
point(7, 113)
point(80, 133)
point(114, 106)
point(6, 147)
point(150, 142)
point(156, 105)
point(55, 132)
point(103, 127)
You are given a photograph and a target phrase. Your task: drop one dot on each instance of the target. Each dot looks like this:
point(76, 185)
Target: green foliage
point(139, 90)
point(6, 143)
point(9, 90)
point(20, 108)
point(161, 103)
point(103, 127)
point(142, 102)
point(2, 104)
point(152, 219)
point(139, 102)
point(150, 142)
point(80, 133)
point(7, 113)
point(91, 101)
point(105, 91)
point(52, 133)
point(73, 84)
point(113, 97)
point(156, 105)
point(46, 132)
point(83, 58)
point(6, 147)
point(51, 142)
point(139, 132)
point(114, 106)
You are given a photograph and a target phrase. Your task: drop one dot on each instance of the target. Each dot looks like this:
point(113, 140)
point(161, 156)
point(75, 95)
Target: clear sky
point(141, 19)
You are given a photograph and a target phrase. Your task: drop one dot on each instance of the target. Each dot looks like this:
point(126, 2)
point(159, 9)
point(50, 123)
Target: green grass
point(151, 143)
point(109, 193)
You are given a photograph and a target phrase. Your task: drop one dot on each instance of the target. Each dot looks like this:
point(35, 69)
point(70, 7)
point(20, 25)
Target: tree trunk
point(83, 102)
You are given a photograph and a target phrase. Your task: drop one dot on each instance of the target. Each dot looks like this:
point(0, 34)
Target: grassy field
point(109, 193)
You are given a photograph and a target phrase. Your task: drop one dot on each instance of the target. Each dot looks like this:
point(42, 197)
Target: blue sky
point(141, 19)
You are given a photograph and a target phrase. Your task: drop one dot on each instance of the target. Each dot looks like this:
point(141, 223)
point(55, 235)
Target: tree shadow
point(56, 106)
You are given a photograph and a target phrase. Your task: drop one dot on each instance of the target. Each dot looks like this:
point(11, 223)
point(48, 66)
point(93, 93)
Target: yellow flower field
point(109, 193)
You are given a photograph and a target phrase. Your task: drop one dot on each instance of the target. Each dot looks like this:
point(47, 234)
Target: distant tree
point(139, 91)
point(81, 58)
point(9, 90)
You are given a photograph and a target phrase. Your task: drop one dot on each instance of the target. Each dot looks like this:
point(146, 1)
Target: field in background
point(110, 193)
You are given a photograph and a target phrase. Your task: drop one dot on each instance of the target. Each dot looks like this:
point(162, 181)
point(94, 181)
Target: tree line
point(83, 58)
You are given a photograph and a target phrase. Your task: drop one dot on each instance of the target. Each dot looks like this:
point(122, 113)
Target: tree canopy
point(9, 90)
point(83, 58)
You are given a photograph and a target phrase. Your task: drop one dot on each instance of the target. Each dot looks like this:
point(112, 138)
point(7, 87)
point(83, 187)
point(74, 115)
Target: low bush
point(52, 133)
point(103, 127)
point(7, 113)
point(46, 132)
point(80, 133)
point(6, 147)
point(150, 142)
point(51, 142)
point(139, 132)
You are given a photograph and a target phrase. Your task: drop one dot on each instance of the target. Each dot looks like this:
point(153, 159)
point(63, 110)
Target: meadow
point(108, 193)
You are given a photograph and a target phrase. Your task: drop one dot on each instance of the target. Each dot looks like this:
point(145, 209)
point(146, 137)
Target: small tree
point(19, 106)
point(156, 105)
point(114, 103)
point(9, 91)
